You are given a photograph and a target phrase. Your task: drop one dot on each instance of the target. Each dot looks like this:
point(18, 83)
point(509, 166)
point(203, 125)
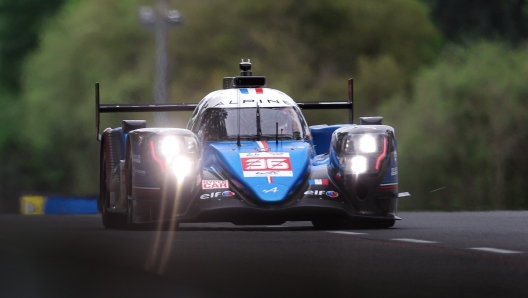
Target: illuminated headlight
point(358, 164)
point(170, 147)
point(367, 144)
point(181, 166)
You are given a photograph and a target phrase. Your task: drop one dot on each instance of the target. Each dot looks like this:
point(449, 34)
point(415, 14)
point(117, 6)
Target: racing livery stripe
point(263, 144)
point(318, 182)
point(251, 90)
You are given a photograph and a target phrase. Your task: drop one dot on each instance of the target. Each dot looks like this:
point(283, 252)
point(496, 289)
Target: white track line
point(496, 250)
point(414, 240)
point(346, 233)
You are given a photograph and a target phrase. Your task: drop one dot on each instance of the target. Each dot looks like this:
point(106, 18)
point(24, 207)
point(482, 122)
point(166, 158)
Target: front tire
point(110, 220)
point(128, 191)
point(131, 223)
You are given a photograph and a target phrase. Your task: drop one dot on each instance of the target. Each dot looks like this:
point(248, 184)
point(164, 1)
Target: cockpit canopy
point(224, 115)
point(223, 124)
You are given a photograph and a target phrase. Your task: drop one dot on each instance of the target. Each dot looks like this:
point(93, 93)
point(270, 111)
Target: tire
point(110, 220)
point(129, 222)
point(128, 192)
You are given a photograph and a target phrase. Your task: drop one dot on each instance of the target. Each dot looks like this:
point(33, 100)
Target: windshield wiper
point(279, 137)
point(259, 129)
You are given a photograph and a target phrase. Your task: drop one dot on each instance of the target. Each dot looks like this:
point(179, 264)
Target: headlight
point(170, 147)
point(367, 144)
point(181, 166)
point(358, 164)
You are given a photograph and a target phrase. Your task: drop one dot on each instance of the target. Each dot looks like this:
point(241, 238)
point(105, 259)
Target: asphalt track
point(461, 254)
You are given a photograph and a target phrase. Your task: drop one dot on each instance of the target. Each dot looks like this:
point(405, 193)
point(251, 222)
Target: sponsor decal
point(264, 164)
point(330, 193)
point(136, 158)
point(394, 171)
point(318, 182)
point(215, 184)
point(217, 194)
point(273, 190)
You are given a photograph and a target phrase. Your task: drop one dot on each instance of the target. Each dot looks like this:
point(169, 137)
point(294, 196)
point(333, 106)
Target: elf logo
point(217, 194)
point(330, 193)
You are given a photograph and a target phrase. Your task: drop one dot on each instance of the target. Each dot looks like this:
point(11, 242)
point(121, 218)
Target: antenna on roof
point(245, 68)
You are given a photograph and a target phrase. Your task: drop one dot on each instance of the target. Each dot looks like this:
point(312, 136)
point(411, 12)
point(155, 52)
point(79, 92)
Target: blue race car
point(248, 157)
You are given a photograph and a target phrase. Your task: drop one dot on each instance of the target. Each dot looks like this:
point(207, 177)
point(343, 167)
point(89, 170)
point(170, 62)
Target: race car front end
point(363, 164)
point(163, 168)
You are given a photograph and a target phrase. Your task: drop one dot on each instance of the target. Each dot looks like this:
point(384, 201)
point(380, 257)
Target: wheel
point(110, 220)
point(128, 192)
point(130, 218)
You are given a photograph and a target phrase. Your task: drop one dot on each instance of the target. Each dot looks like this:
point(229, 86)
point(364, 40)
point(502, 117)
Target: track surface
point(427, 254)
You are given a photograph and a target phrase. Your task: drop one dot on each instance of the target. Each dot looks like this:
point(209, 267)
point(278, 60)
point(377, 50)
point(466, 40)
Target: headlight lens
point(358, 164)
point(175, 154)
point(170, 147)
point(181, 166)
point(367, 144)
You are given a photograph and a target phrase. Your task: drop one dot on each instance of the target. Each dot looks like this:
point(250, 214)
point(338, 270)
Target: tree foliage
point(306, 48)
point(20, 23)
point(461, 20)
point(464, 130)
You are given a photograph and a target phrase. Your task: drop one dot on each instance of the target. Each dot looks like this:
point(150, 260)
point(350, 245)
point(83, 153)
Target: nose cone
point(269, 175)
point(272, 192)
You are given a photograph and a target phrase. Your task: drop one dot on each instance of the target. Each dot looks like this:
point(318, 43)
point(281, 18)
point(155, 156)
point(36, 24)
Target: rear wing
point(189, 107)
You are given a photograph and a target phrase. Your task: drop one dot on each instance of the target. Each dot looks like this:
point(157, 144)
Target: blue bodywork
point(248, 156)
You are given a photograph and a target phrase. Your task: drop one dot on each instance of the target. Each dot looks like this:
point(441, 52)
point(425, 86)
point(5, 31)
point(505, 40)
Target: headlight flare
point(181, 167)
point(367, 144)
point(358, 164)
point(169, 147)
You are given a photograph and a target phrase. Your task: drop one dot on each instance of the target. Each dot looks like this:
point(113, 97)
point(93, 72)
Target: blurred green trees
point(458, 110)
point(462, 20)
point(21, 22)
point(464, 130)
point(306, 48)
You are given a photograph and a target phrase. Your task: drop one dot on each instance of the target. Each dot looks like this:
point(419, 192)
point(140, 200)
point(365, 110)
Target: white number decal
point(255, 164)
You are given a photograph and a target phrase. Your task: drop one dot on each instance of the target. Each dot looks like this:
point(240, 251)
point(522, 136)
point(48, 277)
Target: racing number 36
point(262, 164)
point(249, 164)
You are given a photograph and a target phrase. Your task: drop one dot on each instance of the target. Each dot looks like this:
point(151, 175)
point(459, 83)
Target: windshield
point(220, 124)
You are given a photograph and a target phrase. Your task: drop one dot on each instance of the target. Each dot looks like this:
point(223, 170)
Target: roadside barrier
point(34, 204)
